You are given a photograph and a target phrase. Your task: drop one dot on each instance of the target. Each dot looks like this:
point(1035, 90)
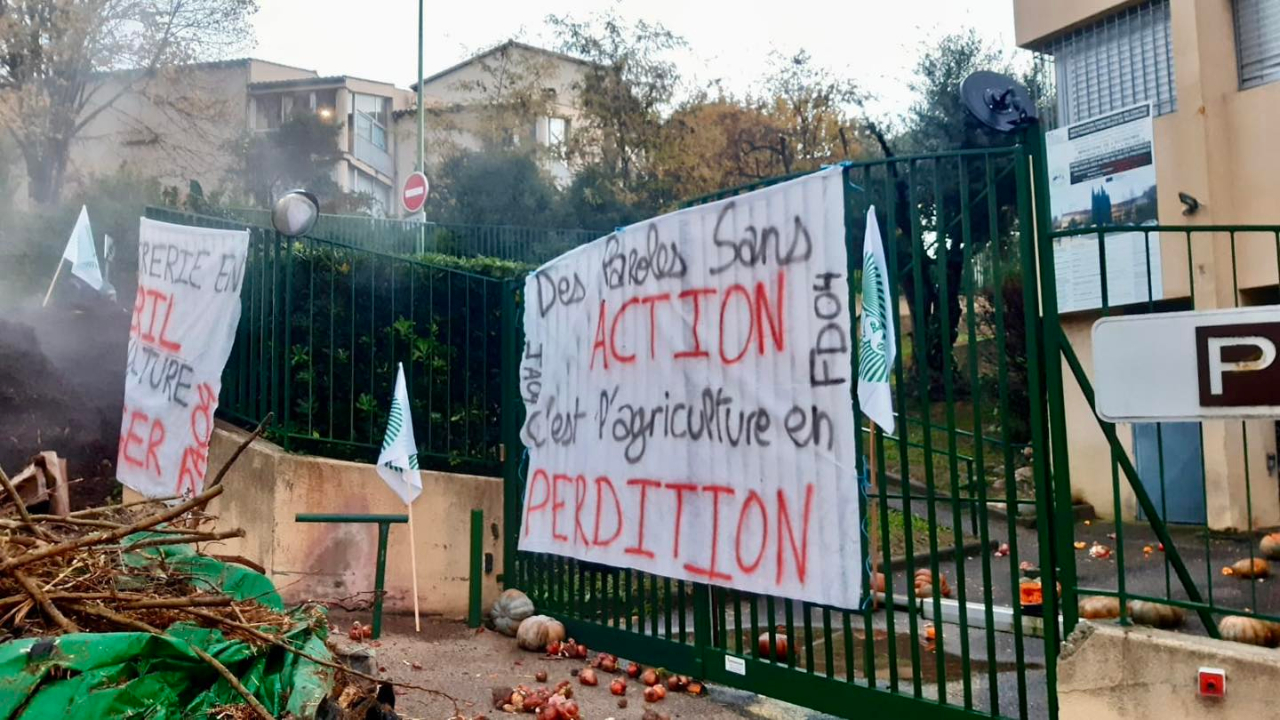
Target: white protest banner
point(184, 323)
point(687, 388)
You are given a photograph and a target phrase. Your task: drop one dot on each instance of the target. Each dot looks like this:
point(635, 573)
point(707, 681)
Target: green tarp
point(131, 675)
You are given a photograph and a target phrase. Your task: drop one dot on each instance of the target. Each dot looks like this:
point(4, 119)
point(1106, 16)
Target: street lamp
point(295, 213)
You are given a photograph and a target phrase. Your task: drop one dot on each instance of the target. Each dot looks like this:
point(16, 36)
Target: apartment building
point(1211, 71)
point(182, 124)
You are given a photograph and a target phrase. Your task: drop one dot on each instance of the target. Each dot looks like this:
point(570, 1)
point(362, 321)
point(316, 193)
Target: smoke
point(62, 372)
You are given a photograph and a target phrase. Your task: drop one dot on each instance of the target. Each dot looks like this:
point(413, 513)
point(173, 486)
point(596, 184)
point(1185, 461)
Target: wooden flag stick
point(874, 524)
point(56, 274)
point(413, 560)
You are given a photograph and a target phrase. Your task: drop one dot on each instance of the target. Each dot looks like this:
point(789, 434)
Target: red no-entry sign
point(414, 195)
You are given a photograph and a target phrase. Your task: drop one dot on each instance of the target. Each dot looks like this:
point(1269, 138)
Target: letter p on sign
point(1236, 364)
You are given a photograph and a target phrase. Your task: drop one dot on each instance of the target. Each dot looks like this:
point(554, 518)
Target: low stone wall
point(1137, 673)
point(268, 487)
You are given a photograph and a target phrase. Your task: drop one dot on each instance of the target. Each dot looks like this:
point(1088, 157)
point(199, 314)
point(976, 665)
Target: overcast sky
point(874, 41)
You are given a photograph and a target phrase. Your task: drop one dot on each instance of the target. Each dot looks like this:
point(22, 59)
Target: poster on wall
point(687, 384)
point(1102, 172)
point(184, 324)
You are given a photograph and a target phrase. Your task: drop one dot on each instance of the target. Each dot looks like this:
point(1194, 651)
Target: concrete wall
point(1220, 148)
point(1107, 672)
point(1034, 20)
point(267, 488)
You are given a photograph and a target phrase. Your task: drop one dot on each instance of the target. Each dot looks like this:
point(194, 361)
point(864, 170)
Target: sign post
point(413, 196)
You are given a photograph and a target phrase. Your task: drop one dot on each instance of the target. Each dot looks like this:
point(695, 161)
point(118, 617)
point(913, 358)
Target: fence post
point(1036, 360)
point(512, 418)
point(477, 569)
point(1064, 517)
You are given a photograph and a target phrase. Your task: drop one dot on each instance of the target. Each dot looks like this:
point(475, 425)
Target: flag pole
point(56, 274)
point(874, 516)
point(413, 561)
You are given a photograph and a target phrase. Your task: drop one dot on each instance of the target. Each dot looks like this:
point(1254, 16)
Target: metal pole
point(379, 578)
point(421, 121)
point(474, 613)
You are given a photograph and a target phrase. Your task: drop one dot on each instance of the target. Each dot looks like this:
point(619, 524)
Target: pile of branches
point(67, 573)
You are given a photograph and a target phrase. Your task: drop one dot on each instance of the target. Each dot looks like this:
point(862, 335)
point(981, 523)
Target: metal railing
point(528, 245)
point(1165, 556)
point(323, 327)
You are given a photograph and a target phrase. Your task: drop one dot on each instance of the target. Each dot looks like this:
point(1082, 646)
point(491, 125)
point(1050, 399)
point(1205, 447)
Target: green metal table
point(384, 523)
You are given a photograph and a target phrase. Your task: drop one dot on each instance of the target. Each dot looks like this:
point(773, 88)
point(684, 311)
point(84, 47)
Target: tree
point(936, 122)
point(621, 97)
point(300, 153)
point(65, 62)
point(803, 118)
point(493, 187)
point(511, 95)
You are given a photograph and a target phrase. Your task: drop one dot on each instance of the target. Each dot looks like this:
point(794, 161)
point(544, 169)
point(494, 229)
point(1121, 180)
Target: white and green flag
point(81, 253)
point(398, 463)
point(876, 348)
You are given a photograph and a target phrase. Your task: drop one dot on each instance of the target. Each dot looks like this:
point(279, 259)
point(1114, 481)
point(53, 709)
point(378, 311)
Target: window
point(1121, 60)
point(557, 131)
point(371, 119)
point(364, 184)
point(1257, 41)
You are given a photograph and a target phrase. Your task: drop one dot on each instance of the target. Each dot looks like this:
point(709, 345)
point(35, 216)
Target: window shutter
point(1257, 41)
point(1121, 60)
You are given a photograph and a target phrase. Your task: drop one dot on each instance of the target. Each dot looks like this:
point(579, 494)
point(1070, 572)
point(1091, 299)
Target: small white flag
point(398, 463)
point(876, 347)
point(81, 253)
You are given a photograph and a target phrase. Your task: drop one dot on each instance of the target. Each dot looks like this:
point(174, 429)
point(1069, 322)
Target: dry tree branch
point(213, 490)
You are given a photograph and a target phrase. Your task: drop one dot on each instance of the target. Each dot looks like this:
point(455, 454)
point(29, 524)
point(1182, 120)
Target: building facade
point(183, 124)
point(1211, 71)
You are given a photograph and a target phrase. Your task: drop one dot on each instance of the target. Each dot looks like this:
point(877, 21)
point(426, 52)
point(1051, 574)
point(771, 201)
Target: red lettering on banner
point(157, 302)
point(639, 548)
point(777, 322)
point(579, 498)
point(530, 507)
point(556, 505)
point(130, 438)
point(613, 332)
point(696, 295)
point(711, 572)
point(681, 489)
point(601, 482)
point(724, 306)
point(750, 568)
point(600, 345)
point(652, 301)
point(154, 440)
point(195, 458)
point(801, 554)
point(191, 474)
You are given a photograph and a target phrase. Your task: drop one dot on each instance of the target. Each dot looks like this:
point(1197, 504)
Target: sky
point(875, 42)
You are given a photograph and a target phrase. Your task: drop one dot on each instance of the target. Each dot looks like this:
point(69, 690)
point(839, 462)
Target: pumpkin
point(1250, 568)
point(1156, 615)
point(877, 582)
point(1270, 546)
point(537, 632)
point(1251, 631)
point(511, 607)
point(924, 583)
point(1099, 608)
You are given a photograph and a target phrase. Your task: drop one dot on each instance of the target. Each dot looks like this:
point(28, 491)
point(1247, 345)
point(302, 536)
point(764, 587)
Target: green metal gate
point(964, 488)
